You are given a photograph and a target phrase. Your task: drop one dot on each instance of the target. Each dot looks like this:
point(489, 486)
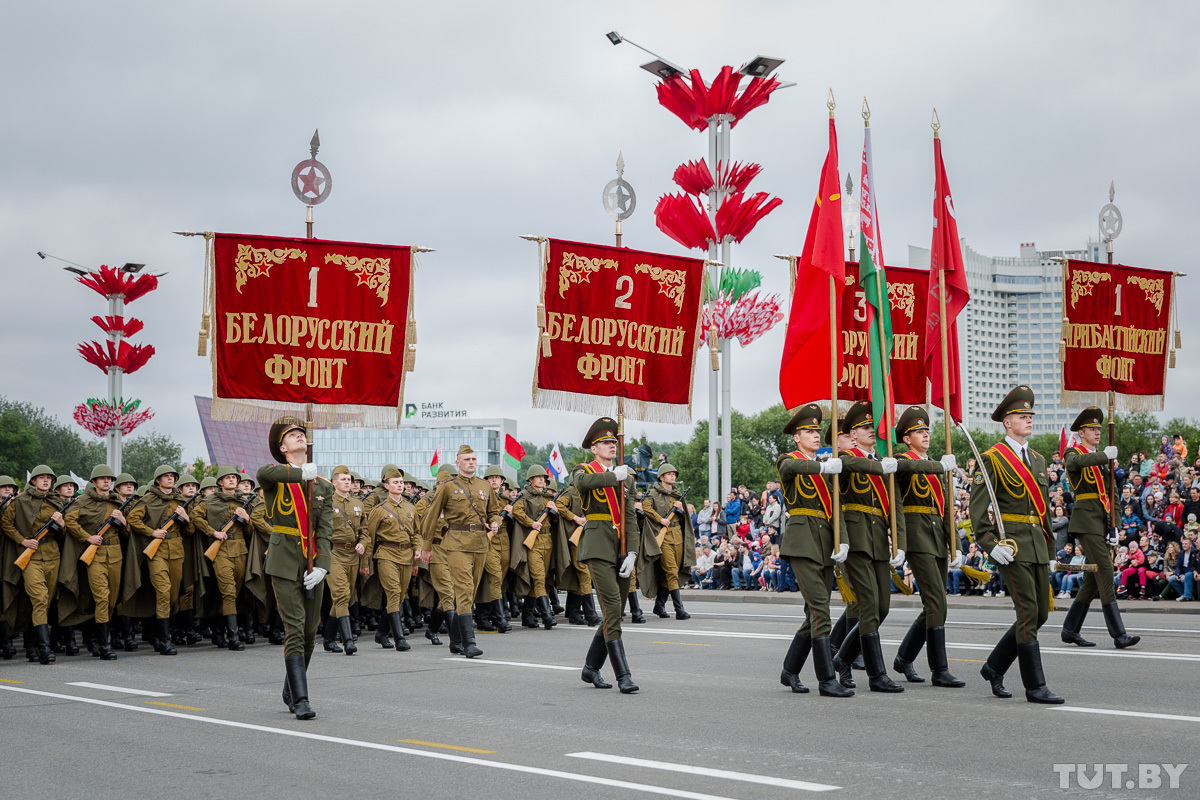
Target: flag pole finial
point(935, 123)
point(830, 103)
point(866, 113)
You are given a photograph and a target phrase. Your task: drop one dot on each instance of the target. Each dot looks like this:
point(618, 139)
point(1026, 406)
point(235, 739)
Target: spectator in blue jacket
point(733, 509)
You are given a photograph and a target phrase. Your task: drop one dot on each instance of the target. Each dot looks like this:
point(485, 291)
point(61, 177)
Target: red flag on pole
point(805, 372)
point(945, 256)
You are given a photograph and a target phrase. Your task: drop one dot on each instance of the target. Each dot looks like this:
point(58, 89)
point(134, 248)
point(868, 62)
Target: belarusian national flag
point(513, 452)
point(433, 465)
point(872, 279)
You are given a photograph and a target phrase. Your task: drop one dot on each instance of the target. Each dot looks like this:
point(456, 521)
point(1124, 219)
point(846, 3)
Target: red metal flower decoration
point(683, 219)
point(695, 103)
point(99, 416)
point(108, 282)
point(694, 177)
point(738, 214)
point(118, 324)
point(129, 358)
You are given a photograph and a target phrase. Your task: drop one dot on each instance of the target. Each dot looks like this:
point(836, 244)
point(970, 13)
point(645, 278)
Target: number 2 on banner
point(623, 300)
point(312, 287)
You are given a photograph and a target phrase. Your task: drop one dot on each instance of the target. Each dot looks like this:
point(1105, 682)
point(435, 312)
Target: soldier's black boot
point(838, 634)
point(398, 631)
point(190, 635)
point(89, 638)
point(827, 683)
point(232, 641)
point(660, 603)
point(435, 625)
point(275, 631)
point(68, 638)
point(31, 647)
point(7, 651)
point(574, 609)
point(910, 648)
point(547, 613)
point(1029, 656)
point(1074, 623)
point(297, 678)
point(348, 645)
point(588, 603)
point(793, 662)
point(456, 643)
point(466, 628)
point(616, 654)
point(635, 611)
point(164, 638)
point(329, 632)
point(1116, 628)
point(355, 624)
point(410, 624)
point(483, 617)
point(596, 655)
point(104, 643)
point(177, 637)
point(218, 633)
point(527, 618)
point(998, 662)
point(555, 607)
point(844, 658)
point(877, 677)
point(128, 642)
point(246, 627)
point(381, 633)
point(41, 635)
point(936, 653)
point(677, 601)
point(499, 617)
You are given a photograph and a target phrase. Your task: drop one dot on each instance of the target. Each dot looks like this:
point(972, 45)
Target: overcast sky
point(460, 125)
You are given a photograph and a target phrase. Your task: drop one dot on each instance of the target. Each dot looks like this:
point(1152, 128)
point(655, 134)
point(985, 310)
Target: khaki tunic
point(391, 534)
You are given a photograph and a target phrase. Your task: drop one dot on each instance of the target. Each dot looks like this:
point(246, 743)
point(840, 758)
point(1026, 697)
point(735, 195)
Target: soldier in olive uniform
point(439, 570)
point(126, 488)
point(472, 516)
point(259, 530)
point(569, 520)
point(495, 567)
point(298, 533)
point(1018, 542)
point(1088, 474)
point(96, 520)
point(210, 516)
point(667, 519)
point(8, 491)
point(391, 532)
point(605, 551)
point(347, 561)
point(931, 537)
point(527, 511)
point(22, 519)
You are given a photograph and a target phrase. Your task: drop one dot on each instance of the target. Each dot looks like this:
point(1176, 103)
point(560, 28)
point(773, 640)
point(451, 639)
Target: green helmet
point(494, 471)
point(224, 470)
point(141, 492)
point(383, 471)
point(186, 478)
point(102, 471)
point(537, 471)
point(41, 469)
point(354, 476)
point(165, 469)
point(124, 477)
point(65, 480)
point(5, 480)
point(208, 482)
point(665, 467)
point(246, 476)
point(447, 469)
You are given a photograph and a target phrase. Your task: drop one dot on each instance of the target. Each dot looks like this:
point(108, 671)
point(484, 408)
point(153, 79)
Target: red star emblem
point(310, 181)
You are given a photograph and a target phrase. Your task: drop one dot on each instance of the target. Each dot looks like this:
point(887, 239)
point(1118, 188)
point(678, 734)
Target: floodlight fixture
point(761, 66)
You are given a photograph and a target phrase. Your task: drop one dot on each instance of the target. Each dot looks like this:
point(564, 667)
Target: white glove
point(841, 553)
point(1110, 452)
point(1112, 538)
point(313, 578)
point(889, 465)
point(956, 562)
point(831, 466)
point(898, 561)
point(949, 462)
point(308, 471)
point(1002, 554)
point(622, 472)
point(627, 565)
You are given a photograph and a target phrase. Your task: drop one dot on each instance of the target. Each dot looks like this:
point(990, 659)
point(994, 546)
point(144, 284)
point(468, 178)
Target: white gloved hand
point(898, 560)
point(841, 553)
point(627, 565)
point(889, 465)
point(1112, 538)
point(956, 562)
point(831, 466)
point(622, 472)
point(308, 471)
point(313, 578)
point(1002, 554)
point(1110, 452)
point(949, 462)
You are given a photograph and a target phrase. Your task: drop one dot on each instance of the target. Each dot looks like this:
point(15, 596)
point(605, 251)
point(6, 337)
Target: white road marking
point(511, 663)
point(1085, 627)
point(1118, 713)
point(998, 623)
point(120, 689)
point(317, 737)
point(708, 772)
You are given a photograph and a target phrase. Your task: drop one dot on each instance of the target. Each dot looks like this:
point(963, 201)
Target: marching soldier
point(807, 544)
point(229, 566)
point(207, 486)
point(931, 536)
point(569, 521)
point(259, 529)
point(439, 569)
point(472, 516)
point(160, 504)
point(495, 567)
point(298, 533)
point(1017, 475)
point(96, 520)
point(603, 548)
point(527, 511)
point(1087, 472)
point(8, 490)
point(391, 532)
point(668, 522)
point(126, 488)
point(22, 519)
point(347, 560)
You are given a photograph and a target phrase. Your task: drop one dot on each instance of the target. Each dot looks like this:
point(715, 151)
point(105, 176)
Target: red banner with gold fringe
point(907, 290)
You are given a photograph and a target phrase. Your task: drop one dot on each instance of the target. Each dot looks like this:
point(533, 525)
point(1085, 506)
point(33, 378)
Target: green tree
point(18, 445)
point(201, 469)
point(60, 446)
point(143, 454)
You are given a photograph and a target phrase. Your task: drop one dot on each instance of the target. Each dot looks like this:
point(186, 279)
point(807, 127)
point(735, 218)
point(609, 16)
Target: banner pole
point(945, 367)
point(1112, 434)
point(308, 434)
point(888, 422)
point(833, 411)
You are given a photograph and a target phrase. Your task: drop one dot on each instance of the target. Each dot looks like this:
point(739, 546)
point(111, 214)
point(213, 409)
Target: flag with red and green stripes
point(513, 452)
point(873, 281)
point(433, 465)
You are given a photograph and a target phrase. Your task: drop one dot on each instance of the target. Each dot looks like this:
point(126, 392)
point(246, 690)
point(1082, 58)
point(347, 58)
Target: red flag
point(946, 256)
point(806, 373)
point(1062, 442)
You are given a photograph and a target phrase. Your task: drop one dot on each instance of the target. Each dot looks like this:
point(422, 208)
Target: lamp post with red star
point(311, 181)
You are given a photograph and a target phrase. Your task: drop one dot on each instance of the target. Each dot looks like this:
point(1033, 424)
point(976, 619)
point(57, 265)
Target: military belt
point(344, 545)
point(472, 528)
point(397, 545)
point(600, 517)
point(1030, 519)
point(285, 530)
point(1088, 496)
point(807, 512)
point(872, 510)
point(921, 510)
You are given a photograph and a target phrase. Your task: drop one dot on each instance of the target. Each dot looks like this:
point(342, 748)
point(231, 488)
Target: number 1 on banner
point(1117, 313)
point(623, 300)
point(312, 287)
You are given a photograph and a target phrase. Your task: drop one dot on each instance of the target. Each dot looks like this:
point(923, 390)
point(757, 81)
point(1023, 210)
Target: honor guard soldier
point(225, 509)
point(668, 522)
point(496, 565)
point(604, 547)
point(807, 544)
point(96, 520)
point(23, 518)
point(931, 538)
point(347, 560)
point(527, 511)
point(298, 533)
point(1017, 475)
point(1088, 474)
point(392, 536)
point(472, 516)
point(161, 515)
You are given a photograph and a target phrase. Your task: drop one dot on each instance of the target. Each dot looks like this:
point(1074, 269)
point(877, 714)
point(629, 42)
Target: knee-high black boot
point(7, 651)
point(793, 662)
point(635, 610)
point(589, 610)
point(41, 635)
point(466, 628)
point(596, 655)
point(844, 658)
point(677, 601)
point(877, 677)
point(547, 612)
point(828, 685)
point(397, 621)
point(381, 633)
point(231, 634)
point(1074, 623)
point(660, 603)
point(348, 645)
point(1116, 628)
point(329, 632)
point(616, 654)
point(998, 662)
point(103, 643)
point(527, 618)
point(499, 617)
point(166, 648)
point(435, 625)
point(910, 648)
point(1029, 655)
point(456, 646)
point(297, 679)
point(936, 653)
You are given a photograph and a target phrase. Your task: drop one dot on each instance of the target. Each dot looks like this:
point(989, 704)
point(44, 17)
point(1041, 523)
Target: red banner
point(1117, 333)
point(617, 323)
point(310, 320)
point(907, 292)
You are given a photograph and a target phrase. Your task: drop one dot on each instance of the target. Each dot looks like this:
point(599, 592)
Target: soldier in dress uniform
point(96, 509)
point(472, 516)
point(391, 533)
point(347, 561)
point(160, 503)
point(1017, 474)
point(229, 567)
point(527, 510)
point(1087, 472)
point(922, 495)
point(495, 567)
point(600, 547)
point(22, 519)
point(666, 518)
point(298, 532)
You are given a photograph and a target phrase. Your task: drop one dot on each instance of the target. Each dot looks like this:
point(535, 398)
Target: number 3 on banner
point(312, 287)
point(622, 300)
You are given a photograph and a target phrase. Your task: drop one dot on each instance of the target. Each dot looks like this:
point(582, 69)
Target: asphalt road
point(711, 719)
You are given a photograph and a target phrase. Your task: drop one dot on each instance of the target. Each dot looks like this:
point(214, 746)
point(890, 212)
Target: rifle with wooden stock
point(533, 532)
point(23, 559)
point(152, 549)
point(662, 532)
point(215, 547)
point(90, 553)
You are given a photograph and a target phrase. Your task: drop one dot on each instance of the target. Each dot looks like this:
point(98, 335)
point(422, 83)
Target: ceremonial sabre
point(991, 492)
